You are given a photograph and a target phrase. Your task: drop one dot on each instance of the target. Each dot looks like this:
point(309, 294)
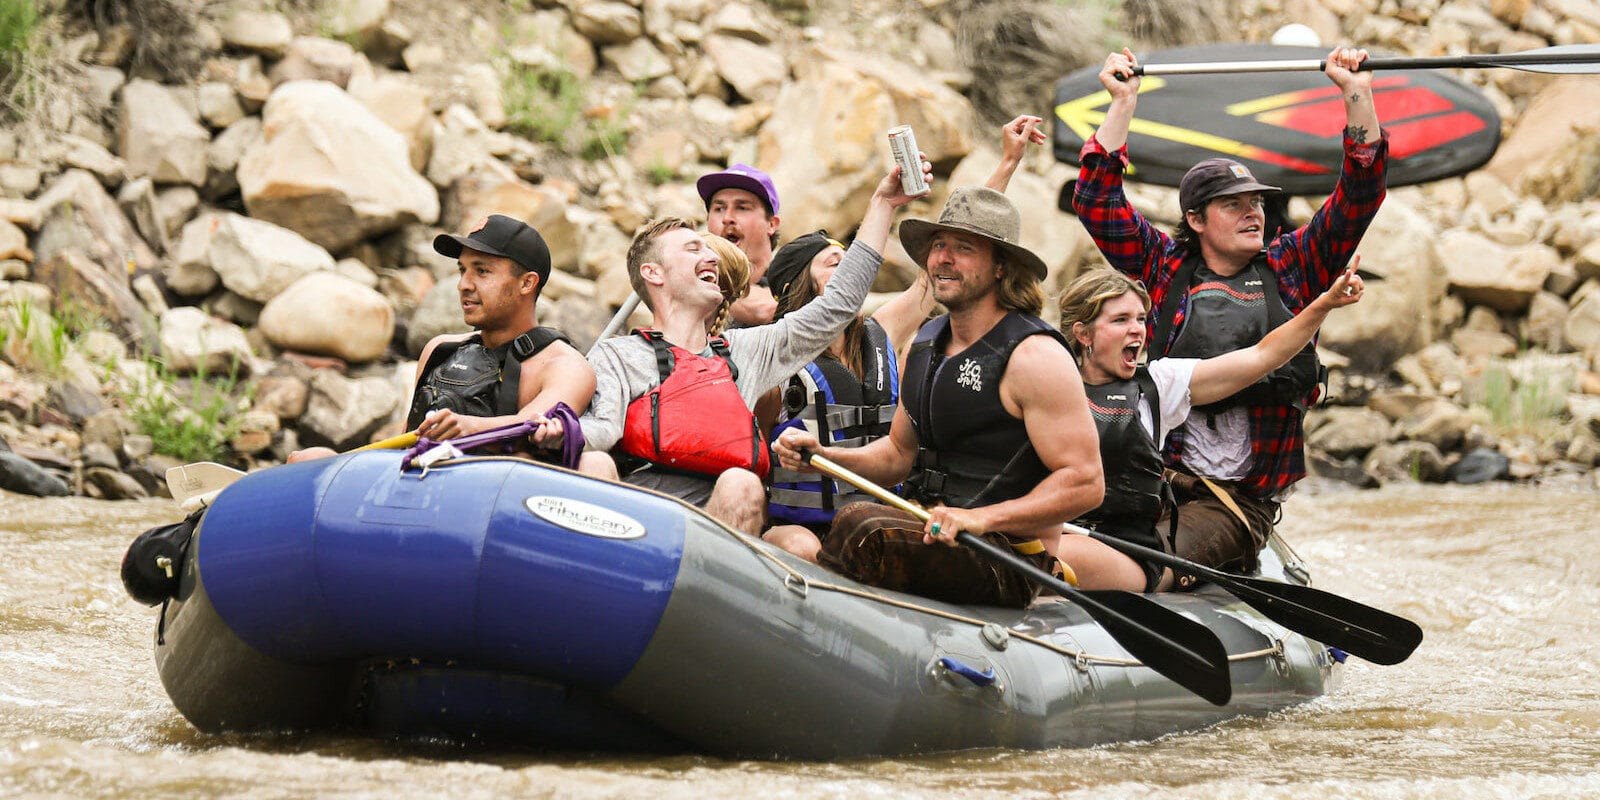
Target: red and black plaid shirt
point(1307, 261)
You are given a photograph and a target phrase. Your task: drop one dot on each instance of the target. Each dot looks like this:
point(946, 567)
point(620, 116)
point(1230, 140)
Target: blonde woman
point(1103, 318)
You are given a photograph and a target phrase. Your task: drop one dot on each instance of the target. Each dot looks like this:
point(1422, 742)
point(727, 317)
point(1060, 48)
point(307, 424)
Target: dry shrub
point(1017, 49)
point(1174, 23)
point(164, 33)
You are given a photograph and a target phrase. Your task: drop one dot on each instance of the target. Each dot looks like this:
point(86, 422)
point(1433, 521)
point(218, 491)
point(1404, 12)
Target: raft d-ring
point(1279, 656)
point(797, 584)
point(1081, 661)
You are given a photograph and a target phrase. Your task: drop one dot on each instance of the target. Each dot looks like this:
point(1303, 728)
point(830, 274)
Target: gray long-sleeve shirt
point(625, 366)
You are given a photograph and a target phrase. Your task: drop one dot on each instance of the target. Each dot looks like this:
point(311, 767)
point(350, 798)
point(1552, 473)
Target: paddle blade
point(204, 477)
point(1356, 628)
point(1179, 648)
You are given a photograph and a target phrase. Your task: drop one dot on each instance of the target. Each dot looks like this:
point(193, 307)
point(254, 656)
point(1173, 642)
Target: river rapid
point(1501, 700)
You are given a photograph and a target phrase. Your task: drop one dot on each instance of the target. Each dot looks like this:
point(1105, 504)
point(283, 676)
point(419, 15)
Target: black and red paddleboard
point(1286, 126)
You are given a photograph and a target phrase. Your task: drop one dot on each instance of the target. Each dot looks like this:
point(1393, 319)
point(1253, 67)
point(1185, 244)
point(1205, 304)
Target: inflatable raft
point(496, 599)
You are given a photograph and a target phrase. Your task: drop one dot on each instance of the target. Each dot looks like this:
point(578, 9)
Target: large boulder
point(1396, 315)
point(403, 104)
point(194, 341)
point(160, 136)
point(331, 170)
point(1554, 152)
point(438, 313)
point(494, 188)
point(825, 142)
point(253, 258)
point(1485, 273)
point(298, 318)
point(343, 412)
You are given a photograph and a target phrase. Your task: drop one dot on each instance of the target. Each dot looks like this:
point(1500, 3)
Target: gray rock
point(111, 484)
point(1404, 461)
point(1345, 432)
point(342, 413)
point(97, 454)
point(18, 474)
point(1480, 466)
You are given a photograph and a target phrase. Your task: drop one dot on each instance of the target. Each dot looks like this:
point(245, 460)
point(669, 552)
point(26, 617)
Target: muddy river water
point(1501, 700)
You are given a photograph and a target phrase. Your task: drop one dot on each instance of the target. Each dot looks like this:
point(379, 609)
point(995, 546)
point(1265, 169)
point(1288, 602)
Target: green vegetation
point(659, 173)
point(19, 23)
point(190, 422)
point(1532, 406)
point(549, 104)
point(34, 339)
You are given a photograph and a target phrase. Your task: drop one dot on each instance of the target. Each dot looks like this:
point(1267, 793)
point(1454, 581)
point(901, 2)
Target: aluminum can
point(904, 146)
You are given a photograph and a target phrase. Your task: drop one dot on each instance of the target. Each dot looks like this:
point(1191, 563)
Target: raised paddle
point(1177, 647)
point(1358, 629)
point(1569, 59)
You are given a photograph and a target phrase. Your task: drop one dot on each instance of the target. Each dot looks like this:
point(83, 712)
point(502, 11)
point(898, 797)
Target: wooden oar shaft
point(392, 443)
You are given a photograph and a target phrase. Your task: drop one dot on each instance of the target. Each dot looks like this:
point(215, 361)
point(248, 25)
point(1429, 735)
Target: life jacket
point(842, 410)
point(693, 420)
point(970, 450)
point(468, 378)
point(1131, 459)
point(1227, 314)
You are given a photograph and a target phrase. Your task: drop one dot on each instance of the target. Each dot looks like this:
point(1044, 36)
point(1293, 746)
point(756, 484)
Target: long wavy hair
point(803, 290)
point(1087, 294)
point(1018, 290)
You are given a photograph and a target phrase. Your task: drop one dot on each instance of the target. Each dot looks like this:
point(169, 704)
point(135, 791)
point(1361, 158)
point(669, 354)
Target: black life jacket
point(468, 378)
point(1131, 458)
point(970, 450)
point(694, 420)
point(842, 410)
point(1227, 314)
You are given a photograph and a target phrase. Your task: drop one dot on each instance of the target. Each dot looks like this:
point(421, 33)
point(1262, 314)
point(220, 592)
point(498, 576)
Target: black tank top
point(970, 450)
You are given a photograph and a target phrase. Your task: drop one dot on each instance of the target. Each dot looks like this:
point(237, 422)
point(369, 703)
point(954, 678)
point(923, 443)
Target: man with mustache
point(1219, 286)
point(742, 207)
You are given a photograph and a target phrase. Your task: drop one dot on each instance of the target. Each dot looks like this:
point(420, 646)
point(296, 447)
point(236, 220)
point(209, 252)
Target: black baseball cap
point(791, 260)
point(503, 236)
point(1215, 177)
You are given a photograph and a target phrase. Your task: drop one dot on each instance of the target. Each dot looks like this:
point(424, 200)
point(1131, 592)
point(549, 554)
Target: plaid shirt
point(1307, 261)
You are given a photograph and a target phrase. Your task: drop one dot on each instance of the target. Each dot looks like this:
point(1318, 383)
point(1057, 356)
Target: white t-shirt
point(1215, 447)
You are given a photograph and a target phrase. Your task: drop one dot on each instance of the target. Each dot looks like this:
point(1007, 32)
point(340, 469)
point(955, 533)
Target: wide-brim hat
point(977, 210)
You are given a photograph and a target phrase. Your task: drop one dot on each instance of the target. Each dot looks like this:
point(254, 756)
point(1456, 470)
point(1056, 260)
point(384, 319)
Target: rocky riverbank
point(215, 218)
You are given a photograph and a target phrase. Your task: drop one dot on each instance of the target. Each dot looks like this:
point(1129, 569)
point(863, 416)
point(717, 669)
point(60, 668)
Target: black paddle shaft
point(1181, 649)
point(1361, 630)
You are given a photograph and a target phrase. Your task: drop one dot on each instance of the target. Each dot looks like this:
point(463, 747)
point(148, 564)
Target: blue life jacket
point(841, 410)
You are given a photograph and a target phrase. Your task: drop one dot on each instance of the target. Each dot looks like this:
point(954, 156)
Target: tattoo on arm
point(1357, 133)
point(1355, 98)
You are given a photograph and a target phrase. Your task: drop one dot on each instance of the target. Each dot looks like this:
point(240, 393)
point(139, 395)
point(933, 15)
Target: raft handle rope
point(793, 578)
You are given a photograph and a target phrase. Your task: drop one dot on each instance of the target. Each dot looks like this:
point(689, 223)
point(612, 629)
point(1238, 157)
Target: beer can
point(904, 146)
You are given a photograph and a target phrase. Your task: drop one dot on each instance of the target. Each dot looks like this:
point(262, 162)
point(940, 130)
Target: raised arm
point(903, 315)
point(1130, 244)
point(1123, 86)
point(1221, 376)
point(770, 353)
point(1014, 138)
point(1360, 114)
